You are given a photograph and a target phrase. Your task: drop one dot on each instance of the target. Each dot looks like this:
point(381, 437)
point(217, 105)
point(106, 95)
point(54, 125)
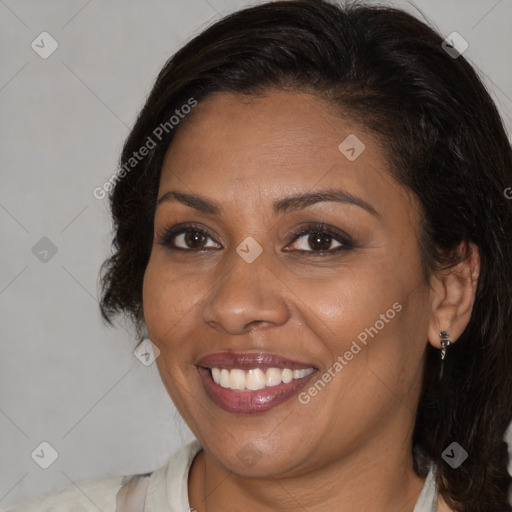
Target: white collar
point(427, 501)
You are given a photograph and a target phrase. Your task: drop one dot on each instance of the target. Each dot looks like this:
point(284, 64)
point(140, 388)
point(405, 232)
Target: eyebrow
point(288, 204)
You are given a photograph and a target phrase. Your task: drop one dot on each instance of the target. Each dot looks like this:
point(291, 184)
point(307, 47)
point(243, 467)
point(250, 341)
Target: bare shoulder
point(86, 496)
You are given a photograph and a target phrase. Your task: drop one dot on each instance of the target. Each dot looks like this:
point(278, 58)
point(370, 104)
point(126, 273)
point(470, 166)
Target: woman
point(311, 222)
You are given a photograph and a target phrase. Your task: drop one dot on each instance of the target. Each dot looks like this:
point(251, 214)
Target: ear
point(453, 295)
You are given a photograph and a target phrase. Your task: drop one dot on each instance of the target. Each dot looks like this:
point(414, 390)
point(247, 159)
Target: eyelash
point(166, 236)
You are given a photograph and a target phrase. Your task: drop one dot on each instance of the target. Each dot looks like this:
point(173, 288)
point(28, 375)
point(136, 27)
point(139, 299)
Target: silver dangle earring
point(445, 343)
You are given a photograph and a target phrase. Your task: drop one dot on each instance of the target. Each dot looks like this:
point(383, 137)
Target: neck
point(367, 481)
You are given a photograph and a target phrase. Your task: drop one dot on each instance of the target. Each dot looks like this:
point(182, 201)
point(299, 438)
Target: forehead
point(279, 143)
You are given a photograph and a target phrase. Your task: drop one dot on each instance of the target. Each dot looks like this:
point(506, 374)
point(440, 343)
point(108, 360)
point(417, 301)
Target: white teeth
point(287, 375)
point(256, 379)
point(298, 374)
point(273, 377)
point(237, 379)
point(216, 375)
point(224, 378)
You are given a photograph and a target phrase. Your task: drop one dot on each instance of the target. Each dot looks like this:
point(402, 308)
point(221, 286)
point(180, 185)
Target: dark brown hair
point(445, 142)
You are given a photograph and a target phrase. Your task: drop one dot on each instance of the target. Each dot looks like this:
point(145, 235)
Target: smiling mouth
point(256, 378)
point(250, 401)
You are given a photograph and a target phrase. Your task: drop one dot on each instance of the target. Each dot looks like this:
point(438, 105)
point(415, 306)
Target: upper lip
point(249, 360)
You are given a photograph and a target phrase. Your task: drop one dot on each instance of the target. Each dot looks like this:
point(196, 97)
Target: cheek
point(373, 316)
point(352, 301)
point(167, 303)
point(167, 299)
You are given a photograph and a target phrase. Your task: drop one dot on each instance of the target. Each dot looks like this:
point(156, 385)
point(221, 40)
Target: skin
point(349, 447)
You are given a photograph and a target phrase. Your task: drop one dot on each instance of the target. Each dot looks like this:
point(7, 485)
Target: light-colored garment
point(427, 500)
point(167, 491)
point(132, 496)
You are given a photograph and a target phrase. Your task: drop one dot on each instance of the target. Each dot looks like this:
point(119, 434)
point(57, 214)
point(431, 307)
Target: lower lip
point(249, 402)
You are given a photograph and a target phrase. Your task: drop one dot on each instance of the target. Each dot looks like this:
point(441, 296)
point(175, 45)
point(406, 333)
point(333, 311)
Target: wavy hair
point(443, 139)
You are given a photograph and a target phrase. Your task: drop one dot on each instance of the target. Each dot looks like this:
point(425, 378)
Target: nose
point(247, 295)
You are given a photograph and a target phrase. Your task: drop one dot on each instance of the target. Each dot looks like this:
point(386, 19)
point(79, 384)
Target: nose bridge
point(247, 292)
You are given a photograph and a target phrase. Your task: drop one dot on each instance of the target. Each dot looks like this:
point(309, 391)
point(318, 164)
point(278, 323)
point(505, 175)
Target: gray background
point(64, 377)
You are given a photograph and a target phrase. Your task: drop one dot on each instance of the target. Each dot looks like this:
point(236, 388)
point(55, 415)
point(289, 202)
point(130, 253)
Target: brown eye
point(194, 239)
point(320, 241)
point(317, 242)
point(186, 238)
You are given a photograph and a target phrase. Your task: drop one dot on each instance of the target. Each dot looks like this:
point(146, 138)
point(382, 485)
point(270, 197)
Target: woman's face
point(346, 300)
